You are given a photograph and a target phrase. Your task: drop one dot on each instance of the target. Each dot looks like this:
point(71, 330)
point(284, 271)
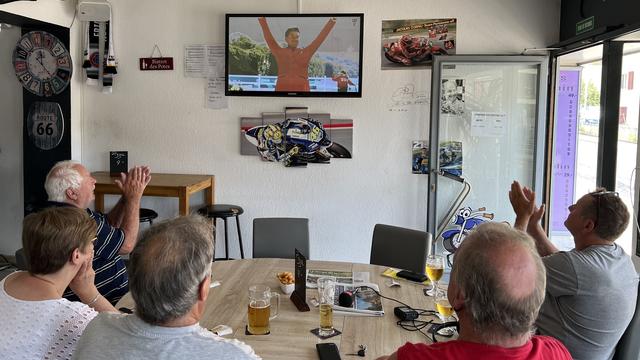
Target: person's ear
point(456, 298)
point(203, 288)
point(71, 194)
point(76, 257)
point(589, 225)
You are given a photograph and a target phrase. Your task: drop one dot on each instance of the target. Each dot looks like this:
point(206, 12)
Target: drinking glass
point(326, 294)
point(259, 309)
point(445, 311)
point(434, 270)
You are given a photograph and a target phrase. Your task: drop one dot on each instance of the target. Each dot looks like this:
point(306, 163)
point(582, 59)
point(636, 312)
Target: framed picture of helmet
point(296, 139)
point(409, 43)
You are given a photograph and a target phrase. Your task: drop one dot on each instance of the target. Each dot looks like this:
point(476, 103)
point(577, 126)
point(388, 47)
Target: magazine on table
point(366, 301)
point(342, 277)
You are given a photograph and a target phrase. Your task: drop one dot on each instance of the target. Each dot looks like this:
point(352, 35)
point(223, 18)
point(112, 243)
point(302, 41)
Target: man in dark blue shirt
point(70, 184)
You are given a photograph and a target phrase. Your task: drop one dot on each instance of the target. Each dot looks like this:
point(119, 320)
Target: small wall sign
point(163, 63)
point(118, 162)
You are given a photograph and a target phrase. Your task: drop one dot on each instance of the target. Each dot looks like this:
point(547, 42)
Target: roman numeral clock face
point(42, 63)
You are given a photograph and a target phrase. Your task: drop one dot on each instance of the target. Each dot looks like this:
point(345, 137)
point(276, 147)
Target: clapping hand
point(523, 204)
point(133, 184)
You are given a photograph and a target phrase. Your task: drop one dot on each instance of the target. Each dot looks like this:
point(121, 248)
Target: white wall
point(159, 117)
point(59, 12)
point(11, 189)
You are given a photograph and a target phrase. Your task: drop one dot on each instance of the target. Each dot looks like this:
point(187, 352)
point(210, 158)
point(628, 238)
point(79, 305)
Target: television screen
point(318, 55)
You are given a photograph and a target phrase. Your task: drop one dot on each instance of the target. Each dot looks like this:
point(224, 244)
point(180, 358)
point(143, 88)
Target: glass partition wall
point(487, 129)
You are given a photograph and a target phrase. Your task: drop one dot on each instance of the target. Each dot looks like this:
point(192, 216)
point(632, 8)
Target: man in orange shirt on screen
point(342, 80)
point(293, 62)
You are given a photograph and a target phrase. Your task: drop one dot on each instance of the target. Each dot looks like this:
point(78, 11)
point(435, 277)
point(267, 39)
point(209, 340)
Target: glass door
point(627, 141)
point(577, 158)
point(487, 129)
point(576, 136)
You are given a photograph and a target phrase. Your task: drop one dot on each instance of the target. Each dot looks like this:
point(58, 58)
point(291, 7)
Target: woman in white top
point(37, 322)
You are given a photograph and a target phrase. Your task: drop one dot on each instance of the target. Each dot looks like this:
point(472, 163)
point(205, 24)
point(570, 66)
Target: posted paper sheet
point(488, 124)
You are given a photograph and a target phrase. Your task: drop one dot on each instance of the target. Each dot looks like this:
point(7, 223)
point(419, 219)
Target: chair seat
point(147, 215)
point(220, 210)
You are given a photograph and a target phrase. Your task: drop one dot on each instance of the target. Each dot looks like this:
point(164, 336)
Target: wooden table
point(165, 185)
point(290, 337)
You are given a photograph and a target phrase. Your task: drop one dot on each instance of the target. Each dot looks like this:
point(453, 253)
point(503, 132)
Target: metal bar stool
point(224, 211)
point(147, 215)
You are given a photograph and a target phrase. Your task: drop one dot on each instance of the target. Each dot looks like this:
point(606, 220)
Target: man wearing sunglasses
point(592, 289)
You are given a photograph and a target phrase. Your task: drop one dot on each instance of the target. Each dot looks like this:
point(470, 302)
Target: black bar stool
point(147, 215)
point(224, 211)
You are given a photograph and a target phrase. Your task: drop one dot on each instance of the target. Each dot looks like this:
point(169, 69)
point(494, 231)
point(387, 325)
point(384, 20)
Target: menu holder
point(299, 295)
point(118, 162)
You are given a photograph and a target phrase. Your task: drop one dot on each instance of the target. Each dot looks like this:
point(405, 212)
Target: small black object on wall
point(118, 162)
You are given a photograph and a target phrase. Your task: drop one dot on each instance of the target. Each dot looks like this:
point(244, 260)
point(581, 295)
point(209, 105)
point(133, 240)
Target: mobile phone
point(410, 275)
point(328, 351)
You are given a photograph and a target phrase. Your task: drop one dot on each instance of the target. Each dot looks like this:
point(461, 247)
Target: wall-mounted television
point(313, 55)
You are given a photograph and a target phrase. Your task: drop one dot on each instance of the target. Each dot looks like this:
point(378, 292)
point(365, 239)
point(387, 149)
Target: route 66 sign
point(45, 124)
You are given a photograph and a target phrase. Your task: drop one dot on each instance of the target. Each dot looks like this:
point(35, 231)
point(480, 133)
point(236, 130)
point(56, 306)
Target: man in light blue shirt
point(170, 276)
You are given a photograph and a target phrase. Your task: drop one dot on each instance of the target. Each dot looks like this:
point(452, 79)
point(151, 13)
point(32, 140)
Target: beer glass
point(445, 311)
point(259, 310)
point(326, 294)
point(434, 270)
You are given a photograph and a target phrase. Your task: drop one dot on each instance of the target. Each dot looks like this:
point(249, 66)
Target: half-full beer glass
point(259, 311)
point(326, 294)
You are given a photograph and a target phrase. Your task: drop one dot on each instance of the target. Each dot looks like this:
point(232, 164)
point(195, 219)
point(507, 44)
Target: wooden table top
point(163, 180)
point(290, 336)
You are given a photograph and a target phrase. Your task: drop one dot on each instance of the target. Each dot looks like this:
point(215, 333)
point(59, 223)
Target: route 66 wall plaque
point(45, 125)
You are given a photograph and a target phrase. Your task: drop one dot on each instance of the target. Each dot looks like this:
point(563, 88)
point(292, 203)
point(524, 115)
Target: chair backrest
point(21, 260)
point(628, 347)
point(400, 247)
point(278, 237)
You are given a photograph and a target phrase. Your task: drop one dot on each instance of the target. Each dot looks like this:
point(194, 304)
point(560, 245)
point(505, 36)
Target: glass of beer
point(326, 294)
point(445, 311)
point(434, 270)
point(259, 311)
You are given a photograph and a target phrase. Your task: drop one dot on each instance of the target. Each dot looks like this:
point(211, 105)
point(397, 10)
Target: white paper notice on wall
point(214, 93)
point(204, 61)
point(488, 124)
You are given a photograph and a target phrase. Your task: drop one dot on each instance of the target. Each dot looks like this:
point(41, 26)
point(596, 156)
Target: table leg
point(209, 192)
point(100, 202)
point(183, 202)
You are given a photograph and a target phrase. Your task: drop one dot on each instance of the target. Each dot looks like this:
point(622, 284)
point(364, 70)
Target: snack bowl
point(287, 282)
point(287, 288)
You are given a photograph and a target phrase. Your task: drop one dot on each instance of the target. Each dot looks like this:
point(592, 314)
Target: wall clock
point(42, 63)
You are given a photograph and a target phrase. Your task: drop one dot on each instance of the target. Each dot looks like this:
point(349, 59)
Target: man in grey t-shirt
point(170, 275)
point(592, 289)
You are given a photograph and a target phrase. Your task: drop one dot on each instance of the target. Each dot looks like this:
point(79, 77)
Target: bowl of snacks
point(287, 282)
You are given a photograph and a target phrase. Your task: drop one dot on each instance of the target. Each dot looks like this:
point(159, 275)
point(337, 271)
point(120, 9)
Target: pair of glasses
point(437, 329)
point(598, 196)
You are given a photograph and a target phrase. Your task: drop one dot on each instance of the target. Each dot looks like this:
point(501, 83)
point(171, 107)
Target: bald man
point(497, 286)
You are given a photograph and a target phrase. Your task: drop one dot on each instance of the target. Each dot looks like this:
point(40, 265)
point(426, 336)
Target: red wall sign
point(163, 63)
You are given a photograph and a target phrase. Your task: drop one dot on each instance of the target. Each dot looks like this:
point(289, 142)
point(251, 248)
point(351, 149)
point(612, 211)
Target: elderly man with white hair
point(69, 183)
